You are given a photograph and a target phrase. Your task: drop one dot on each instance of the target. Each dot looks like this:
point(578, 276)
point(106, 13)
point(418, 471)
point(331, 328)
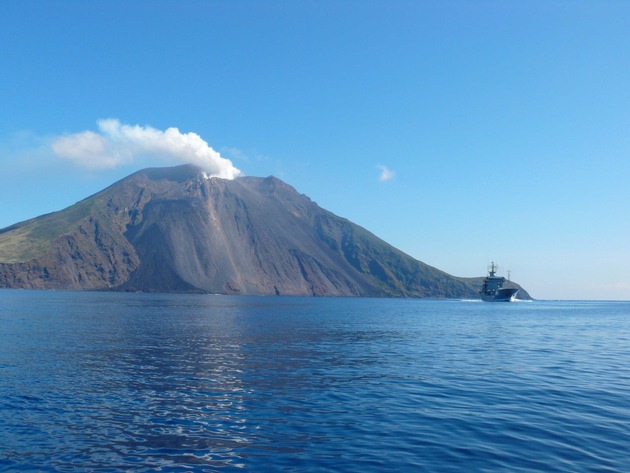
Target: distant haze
point(116, 144)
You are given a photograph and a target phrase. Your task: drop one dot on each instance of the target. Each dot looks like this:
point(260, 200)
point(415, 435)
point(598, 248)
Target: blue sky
point(505, 124)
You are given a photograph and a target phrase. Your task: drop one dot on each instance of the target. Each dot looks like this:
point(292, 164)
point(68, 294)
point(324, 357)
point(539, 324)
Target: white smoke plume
point(116, 144)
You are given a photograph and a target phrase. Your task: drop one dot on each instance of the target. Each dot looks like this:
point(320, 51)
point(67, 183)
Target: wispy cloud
point(115, 144)
point(386, 173)
point(238, 154)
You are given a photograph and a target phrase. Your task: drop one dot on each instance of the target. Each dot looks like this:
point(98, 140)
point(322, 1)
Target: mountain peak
point(173, 230)
point(177, 173)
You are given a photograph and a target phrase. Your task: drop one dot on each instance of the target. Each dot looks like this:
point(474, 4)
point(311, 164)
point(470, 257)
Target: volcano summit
point(173, 230)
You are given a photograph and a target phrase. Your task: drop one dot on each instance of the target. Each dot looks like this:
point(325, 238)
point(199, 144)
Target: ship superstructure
point(493, 290)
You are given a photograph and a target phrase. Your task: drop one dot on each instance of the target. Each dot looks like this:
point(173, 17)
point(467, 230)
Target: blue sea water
point(110, 382)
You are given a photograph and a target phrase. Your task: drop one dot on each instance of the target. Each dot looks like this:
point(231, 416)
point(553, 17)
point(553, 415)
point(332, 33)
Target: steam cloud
point(116, 144)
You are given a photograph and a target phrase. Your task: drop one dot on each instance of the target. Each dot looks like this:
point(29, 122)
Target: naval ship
point(493, 290)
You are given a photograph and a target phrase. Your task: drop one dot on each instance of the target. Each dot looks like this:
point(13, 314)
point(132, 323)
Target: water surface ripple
point(137, 382)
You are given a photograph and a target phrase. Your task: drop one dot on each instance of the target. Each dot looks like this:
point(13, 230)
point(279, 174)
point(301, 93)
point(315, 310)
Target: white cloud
point(117, 144)
point(386, 173)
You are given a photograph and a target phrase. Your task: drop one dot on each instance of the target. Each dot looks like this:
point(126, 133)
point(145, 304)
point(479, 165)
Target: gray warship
point(493, 290)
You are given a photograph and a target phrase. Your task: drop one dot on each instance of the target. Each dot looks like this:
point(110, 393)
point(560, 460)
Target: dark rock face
point(86, 258)
point(170, 230)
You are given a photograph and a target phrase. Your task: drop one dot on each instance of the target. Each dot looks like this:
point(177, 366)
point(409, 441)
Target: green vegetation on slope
point(33, 238)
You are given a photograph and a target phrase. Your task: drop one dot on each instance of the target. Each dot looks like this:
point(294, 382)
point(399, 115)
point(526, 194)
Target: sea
point(130, 382)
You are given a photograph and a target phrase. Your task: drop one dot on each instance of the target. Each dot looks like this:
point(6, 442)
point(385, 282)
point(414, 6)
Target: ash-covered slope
point(171, 230)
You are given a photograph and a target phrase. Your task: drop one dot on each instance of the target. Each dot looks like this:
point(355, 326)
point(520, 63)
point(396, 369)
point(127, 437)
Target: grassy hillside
point(33, 238)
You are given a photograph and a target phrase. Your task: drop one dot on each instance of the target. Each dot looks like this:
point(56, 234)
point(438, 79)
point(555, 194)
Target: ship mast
point(492, 269)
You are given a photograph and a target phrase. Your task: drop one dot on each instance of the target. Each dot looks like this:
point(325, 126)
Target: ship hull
point(501, 295)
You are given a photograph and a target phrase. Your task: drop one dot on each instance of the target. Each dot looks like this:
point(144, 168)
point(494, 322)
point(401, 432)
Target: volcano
point(174, 230)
